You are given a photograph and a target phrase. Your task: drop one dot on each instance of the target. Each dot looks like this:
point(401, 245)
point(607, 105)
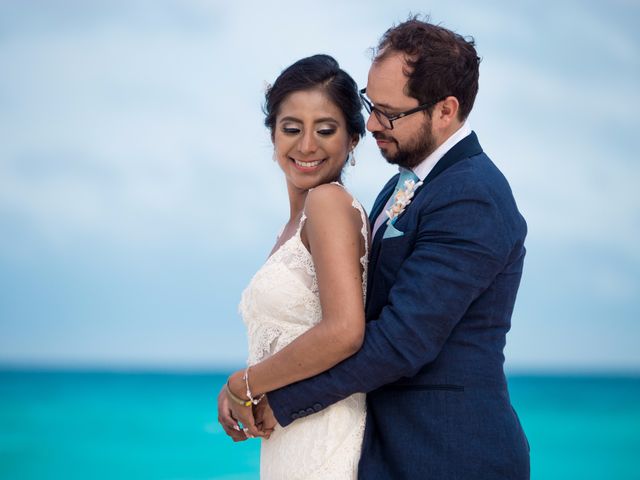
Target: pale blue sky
point(138, 195)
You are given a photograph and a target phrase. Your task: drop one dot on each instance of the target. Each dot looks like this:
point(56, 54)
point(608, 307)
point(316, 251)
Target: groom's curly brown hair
point(440, 62)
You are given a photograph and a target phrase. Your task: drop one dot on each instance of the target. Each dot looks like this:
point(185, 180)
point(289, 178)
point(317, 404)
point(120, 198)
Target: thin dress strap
point(364, 260)
point(364, 230)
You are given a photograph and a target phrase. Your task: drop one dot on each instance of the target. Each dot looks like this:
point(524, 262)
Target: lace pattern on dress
point(364, 260)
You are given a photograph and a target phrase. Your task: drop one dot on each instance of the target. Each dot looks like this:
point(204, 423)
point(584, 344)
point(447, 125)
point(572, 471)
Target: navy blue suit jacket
point(438, 309)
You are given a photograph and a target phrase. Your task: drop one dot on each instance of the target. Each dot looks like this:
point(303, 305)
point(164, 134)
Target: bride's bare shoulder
point(330, 199)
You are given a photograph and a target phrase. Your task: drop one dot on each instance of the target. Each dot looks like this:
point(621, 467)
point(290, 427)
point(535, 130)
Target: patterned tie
point(404, 176)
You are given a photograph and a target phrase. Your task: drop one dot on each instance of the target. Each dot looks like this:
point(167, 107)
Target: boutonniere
point(402, 199)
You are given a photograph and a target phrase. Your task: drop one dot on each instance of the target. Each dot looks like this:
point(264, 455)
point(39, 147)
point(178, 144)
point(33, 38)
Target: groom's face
point(411, 140)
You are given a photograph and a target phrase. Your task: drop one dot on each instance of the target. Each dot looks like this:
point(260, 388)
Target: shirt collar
point(424, 167)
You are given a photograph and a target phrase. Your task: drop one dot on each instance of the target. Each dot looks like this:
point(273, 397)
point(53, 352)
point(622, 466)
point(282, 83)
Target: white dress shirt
point(424, 168)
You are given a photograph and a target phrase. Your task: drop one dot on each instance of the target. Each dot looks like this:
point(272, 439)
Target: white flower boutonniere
point(402, 199)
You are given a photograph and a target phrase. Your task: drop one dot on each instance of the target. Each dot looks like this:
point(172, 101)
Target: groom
point(443, 277)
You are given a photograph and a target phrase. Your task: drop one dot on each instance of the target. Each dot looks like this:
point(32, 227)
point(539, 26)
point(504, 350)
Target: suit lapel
point(375, 247)
point(382, 199)
point(378, 205)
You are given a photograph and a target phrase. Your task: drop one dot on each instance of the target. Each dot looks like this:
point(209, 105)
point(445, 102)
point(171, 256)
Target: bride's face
point(310, 139)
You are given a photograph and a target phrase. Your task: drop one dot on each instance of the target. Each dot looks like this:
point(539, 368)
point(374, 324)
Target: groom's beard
point(413, 152)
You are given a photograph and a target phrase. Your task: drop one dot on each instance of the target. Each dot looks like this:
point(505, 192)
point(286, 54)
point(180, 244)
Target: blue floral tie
point(405, 175)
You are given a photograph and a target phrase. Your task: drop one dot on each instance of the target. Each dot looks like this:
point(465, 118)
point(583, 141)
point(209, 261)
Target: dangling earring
point(352, 159)
point(274, 157)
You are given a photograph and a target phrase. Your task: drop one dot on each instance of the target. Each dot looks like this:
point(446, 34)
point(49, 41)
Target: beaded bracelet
point(254, 401)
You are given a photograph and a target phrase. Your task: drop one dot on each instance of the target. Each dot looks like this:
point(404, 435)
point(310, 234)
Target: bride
point(304, 309)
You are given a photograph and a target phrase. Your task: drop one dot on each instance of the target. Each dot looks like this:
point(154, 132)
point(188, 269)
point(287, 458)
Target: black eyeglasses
point(387, 120)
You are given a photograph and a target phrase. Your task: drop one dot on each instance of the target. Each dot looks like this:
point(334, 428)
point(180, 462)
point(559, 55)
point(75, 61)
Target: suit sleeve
point(461, 245)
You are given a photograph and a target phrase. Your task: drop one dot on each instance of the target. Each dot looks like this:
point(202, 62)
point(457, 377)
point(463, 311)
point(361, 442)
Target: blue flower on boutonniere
point(402, 199)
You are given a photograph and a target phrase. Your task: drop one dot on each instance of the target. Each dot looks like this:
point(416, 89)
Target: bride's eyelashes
point(325, 132)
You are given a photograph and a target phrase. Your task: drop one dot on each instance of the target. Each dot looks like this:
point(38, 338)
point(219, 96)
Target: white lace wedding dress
point(280, 303)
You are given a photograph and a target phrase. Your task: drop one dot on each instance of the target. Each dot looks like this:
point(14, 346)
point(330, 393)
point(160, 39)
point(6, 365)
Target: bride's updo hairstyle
point(322, 72)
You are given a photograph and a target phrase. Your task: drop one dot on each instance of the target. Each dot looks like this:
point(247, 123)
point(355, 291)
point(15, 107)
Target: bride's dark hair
point(317, 71)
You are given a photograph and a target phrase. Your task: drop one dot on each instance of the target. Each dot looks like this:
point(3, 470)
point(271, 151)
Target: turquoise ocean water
point(68, 425)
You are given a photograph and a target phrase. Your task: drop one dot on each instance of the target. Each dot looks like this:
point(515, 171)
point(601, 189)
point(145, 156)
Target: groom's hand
point(225, 418)
point(265, 419)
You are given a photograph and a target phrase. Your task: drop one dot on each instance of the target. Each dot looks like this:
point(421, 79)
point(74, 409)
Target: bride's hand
point(229, 424)
point(242, 414)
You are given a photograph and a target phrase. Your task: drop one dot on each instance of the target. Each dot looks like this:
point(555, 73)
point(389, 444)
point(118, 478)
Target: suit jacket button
point(310, 411)
point(302, 413)
point(317, 407)
point(294, 416)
